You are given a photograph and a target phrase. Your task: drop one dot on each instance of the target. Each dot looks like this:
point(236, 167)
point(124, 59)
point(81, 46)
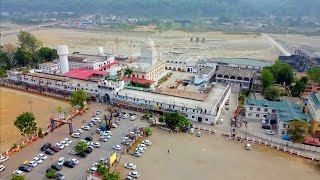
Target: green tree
point(314, 74)
point(26, 124)
point(297, 89)
point(15, 177)
point(111, 176)
point(101, 169)
point(59, 109)
point(5, 61)
point(29, 42)
point(23, 57)
point(271, 93)
point(161, 119)
point(267, 78)
point(3, 73)
point(175, 120)
point(148, 130)
point(50, 174)
point(128, 72)
point(80, 147)
point(297, 131)
point(304, 80)
point(282, 72)
point(47, 54)
point(78, 98)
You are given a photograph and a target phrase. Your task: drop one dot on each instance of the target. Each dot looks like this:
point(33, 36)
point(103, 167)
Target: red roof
point(312, 141)
point(83, 73)
point(139, 80)
point(109, 65)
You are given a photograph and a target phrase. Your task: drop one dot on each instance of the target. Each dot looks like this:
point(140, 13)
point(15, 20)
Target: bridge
point(284, 51)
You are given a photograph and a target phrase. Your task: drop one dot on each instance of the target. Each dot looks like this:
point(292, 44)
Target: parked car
point(69, 164)
point(56, 167)
point(72, 152)
point(88, 138)
point(140, 150)
point(95, 144)
point(127, 139)
point(59, 176)
point(18, 173)
point(79, 131)
point(2, 168)
point(42, 156)
point(87, 128)
point(125, 116)
point(129, 178)
point(142, 146)
point(82, 155)
point(134, 117)
point(227, 107)
point(199, 133)
point(114, 125)
point(191, 131)
point(65, 143)
point(97, 119)
point(116, 147)
point(125, 142)
point(266, 126)
point(68, 140)
point(269, 132)
point(45, 146)
point(103, 139)
point(147, 142)
point(4, 158)
point(88, 150)
point(248, 146)
point(99, 111)
point(61, 161)
point(38, 160)
point(25, 168)
point(90, 124)
point(60, 146)
point(32, 164)
point(135, 153)
point(49, 151)
point(76, 135)
point(98, 130)
point(74, 160)
point(134, 174)
point(54, 148)
point(130, 166)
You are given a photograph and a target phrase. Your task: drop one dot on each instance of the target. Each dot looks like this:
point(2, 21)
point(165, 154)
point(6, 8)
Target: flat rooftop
point(83, 73)
point(206, 70)
point(48, 64)
point(47, 76)
point(235, 71)
point(86, 58)
point(209, 102)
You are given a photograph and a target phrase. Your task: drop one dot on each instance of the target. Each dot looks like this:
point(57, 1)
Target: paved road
point(79, 172)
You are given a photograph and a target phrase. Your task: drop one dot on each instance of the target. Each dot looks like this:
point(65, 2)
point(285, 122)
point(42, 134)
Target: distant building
point(204, 75)
point(277, 112)
point(314, 110)
point(49, 68)
point(301, 61)
point(235, 75)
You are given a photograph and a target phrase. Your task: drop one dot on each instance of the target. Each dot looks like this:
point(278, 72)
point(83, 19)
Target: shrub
point(51, 173)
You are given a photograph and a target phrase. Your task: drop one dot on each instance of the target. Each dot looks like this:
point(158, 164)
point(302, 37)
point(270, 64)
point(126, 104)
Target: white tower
point(149, 54)
point(63, 52)
point(101, 51)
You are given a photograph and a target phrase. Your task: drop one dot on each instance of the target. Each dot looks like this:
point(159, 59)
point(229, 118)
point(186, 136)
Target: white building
point(177, 63)
point(204, 75)
point(235, 75)
point(49, 68)
point(92, 62)
point(314, 105)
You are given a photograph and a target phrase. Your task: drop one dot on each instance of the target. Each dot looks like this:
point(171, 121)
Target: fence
point(212, 131)
point(275, 146)
point(286, 143)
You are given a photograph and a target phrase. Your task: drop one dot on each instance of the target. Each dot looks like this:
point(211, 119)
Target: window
point(273, 110)
point(192, 110)
point(265, 110)
point(182, 109)
point(258, 109)
point(257, 115)
point(186, 115)
point(251, 108)
point(284, 125)
point(249, 114)
point(192, 116)
point(282, 132)
point(207, 119)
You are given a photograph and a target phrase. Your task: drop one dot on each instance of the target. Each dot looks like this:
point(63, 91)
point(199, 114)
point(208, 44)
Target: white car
point(18, 173)
point(114, 125)
point(95, 164)
point(98, 130)
point(60, 146)
point(2, 168)
point(248, 147)
point(147, 142)
point(93, 168)
point(42, 156)
point(134, 174)
point(95, 144)
point(74, 160)
point(125, 116)
point(87, 128)
point(127, 139)
point(140, 150)
point(61, 161)
point(38, 160)
point(72, 152)
point(103, 139)
point(269, 132)
point(99, 111)
point(32, 163)
point(117, 147)
point(135, 153)
point(132, 118)
point(68, 140)
point(106, 133)
point(79, 131)
point(4, 158)
point(142, 146)
point(76, 135)
point(130, 166)
point(65, 143)
point(191, 131)
point(96, 119)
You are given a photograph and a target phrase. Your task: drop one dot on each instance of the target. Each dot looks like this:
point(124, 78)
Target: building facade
point(235, 75)
point(204, 75)
point(49, 68)
point(314, 110)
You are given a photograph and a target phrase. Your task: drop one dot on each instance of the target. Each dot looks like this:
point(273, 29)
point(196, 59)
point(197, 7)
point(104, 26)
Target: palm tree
point(128, 72)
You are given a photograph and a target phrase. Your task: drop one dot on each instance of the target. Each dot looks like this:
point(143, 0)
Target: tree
point(26, 124)
point(175, 120)
point(59, 109)
point(40, 134)
point(80, 147)
point(78, 98)
point(148, 130)
point(297, 89)
point(111, 176)
point(3, 73)
point(297, 131)
point(109, 117)
point(314, 74)
point(271, 93)
point(101, 169)
point(29, 42)
point(282, 72)
point(15, 177)
point(47, 54)
point(5, 60)
point(23, 57)
point(50, 174)
point(128, 72)
point(304, 80)
point(267, 78)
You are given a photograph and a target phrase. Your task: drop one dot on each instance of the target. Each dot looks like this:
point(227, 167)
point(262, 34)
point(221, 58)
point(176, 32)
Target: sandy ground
point(213, 157)
point(5, 26)
point(218, 44)
point(13, 103)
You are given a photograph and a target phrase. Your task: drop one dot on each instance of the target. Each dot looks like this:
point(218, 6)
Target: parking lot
point(79, 171)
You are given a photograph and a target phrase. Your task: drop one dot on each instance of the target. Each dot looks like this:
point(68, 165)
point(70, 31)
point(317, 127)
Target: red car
point(54, 148)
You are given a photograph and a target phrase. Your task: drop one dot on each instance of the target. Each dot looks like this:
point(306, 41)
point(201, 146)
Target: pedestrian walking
point(92, 134)
point(168, 151)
